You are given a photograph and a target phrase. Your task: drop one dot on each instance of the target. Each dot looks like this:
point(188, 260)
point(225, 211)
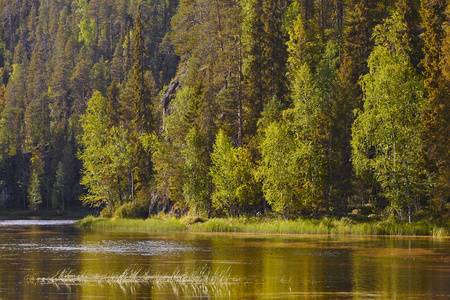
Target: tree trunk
point(240, 117)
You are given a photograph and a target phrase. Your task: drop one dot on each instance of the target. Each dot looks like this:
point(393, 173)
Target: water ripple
point(119, 247)
point(6, 223)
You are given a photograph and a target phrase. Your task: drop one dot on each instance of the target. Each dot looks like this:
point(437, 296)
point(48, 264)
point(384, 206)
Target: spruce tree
point(435, 146)
point(37, 170)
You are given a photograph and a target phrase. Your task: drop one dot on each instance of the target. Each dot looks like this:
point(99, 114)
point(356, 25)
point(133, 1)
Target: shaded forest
point(231, 107)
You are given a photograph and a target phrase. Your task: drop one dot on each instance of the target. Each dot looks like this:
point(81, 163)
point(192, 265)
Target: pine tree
point(435, 146)
point(80, 84)
point(142, 97)
point(267, 58)
point(36, 112)
point(141, 89)
point(361, 17)
point(117, 64)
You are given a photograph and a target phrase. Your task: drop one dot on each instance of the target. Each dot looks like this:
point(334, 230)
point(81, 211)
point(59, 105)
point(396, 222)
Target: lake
point(255, 266)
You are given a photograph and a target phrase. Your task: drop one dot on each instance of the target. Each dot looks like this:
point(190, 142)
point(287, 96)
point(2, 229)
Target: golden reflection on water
point(283, 266)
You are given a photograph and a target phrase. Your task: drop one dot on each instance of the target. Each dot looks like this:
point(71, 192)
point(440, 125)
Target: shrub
point(132, 211)
point(190, 219)
point(107, 212)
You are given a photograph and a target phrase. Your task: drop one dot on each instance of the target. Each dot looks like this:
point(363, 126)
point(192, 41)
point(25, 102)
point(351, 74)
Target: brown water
point(267, 267)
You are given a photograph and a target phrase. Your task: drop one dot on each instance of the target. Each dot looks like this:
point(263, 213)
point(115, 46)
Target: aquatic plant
point(198, 277)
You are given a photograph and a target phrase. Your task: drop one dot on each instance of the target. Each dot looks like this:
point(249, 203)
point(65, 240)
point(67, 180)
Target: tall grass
point(341, 226)
point(201, 276)
point(157, 224)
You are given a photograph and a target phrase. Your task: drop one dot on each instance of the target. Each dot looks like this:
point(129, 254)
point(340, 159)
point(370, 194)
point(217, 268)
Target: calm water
point(268, 267)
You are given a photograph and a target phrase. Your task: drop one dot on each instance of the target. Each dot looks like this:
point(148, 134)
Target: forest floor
point(343, 226)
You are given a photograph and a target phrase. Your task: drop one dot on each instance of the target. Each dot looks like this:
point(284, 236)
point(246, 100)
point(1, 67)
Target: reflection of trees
point(99, 262)
point(306, 268)
point(397, 268)
point(271, 266)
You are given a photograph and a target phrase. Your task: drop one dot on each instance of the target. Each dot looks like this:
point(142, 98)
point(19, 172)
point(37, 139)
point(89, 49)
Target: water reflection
point(24, 223)
point(267, 266)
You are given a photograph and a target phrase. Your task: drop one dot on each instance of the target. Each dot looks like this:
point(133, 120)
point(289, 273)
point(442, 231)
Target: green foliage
point(265, 66)
point(53, 55)
point(245, 88)
point(305, 44)
point(141, 88)
point(217, 225)
point(279, 168)
point(59, 192)
point(86, 26)
point(155, 224)
point(106, 156)
point(436, 71)
point(343, 226)
point(385, 134)
point(232, 176)
point(87, 31)
point(132, 211)
point(34, 192)
point(295, 150)
point(197, 183)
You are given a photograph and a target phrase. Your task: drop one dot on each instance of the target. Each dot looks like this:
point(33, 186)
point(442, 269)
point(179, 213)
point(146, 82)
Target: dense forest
point(230, 107)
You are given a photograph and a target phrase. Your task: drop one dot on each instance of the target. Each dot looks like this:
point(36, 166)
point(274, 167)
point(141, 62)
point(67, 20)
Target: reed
point(199, 277)
point(217, 225)
point(343, 226)
point(156, 224)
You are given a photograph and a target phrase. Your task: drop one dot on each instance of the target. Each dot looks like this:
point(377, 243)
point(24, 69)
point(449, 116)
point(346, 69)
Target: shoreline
point(324, 226)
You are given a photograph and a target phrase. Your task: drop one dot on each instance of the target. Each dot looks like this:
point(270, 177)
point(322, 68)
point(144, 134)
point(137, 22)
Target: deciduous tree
point(386, 132)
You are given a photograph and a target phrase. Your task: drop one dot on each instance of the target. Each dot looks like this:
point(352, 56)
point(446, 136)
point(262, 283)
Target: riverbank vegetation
point(266, 225)
point(200, 277)
point(302, 109)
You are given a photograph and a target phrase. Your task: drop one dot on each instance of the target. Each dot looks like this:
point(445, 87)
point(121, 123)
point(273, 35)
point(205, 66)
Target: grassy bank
point(269, 226)
point(156, 224)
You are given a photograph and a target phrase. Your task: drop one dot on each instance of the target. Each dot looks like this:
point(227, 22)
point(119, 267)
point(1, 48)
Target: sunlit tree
point(385, 133)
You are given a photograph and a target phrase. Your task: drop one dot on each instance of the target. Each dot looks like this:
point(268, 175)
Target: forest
point(296, 108)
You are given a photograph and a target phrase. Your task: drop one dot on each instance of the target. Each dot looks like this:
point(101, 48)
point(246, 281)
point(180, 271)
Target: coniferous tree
point(142, 100)
point(142, 97)
point(435, 147)
point(37, 170)
point(58, 195)
point(255, 68)
point(361, 17)
point(249, 69)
